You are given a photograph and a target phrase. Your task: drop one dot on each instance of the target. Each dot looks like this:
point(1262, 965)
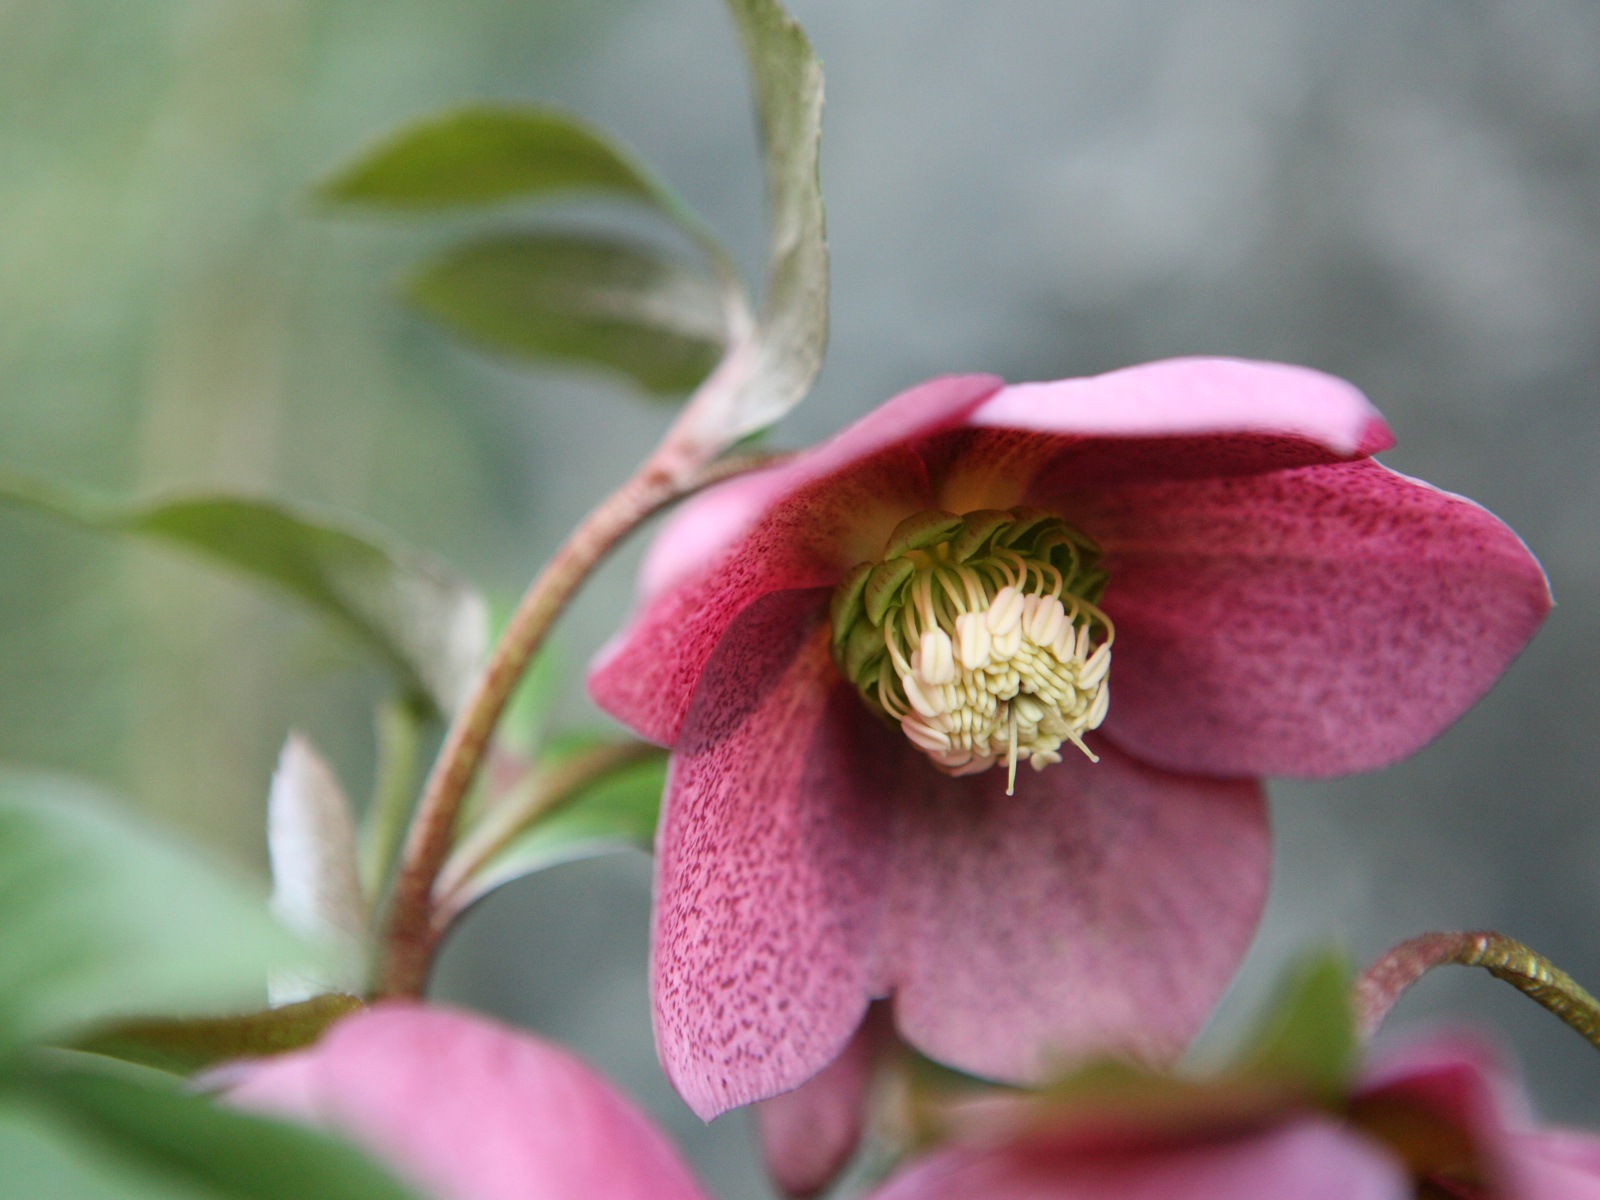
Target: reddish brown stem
point(1504, 958)
point(411, 937)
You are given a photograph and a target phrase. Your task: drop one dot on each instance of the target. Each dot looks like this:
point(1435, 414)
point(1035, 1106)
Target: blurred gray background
point(1403, 192)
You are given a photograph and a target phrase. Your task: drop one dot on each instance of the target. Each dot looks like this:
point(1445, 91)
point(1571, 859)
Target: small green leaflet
point(585, 299)
point(489, 154)
point(101, 918)
point(1308, 1037)
point(617, 812)
point(173, 1143)
point(426, 624)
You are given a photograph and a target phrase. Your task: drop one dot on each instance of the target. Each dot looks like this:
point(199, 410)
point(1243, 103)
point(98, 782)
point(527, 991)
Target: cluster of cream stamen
point(991, 659)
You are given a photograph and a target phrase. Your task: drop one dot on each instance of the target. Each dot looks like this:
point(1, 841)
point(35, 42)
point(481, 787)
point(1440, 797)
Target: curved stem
point(409, 942)
point(1504, 958)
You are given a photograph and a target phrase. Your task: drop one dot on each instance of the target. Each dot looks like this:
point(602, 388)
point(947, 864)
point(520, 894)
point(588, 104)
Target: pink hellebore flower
point(1436, 1121)
point(850, 653)
point(469, 1110)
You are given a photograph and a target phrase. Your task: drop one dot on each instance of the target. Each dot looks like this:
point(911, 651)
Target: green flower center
point(979, 635)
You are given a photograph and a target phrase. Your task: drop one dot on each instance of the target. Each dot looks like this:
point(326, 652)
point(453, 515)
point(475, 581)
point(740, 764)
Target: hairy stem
point(409, 939)
point(1504, 958)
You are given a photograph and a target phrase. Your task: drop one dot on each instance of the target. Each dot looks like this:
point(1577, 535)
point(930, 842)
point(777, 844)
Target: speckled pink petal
point(798, 525)
point(770, 863)
point(1104, 907)
point(1182, 397)
point(470, 1110)
point(1311, 1160)
point(809, 1134)
point(1304, 623)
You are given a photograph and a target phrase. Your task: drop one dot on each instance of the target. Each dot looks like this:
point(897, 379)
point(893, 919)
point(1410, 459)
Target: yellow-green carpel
point(979, 635)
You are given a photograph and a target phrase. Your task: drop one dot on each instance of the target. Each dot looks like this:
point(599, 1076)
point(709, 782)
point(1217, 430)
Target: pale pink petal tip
point(470, 1110)
point(1188, 396)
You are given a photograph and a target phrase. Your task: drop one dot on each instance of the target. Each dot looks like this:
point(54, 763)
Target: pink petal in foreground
point(470, 1110)
point(799, 525)
point(770, 860)
point(809, 1134)
point(1102, 908)
point(1313, 1160)
point(1306, 623)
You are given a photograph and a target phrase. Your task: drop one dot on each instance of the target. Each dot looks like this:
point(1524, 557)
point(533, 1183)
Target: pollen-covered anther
point(980, 636)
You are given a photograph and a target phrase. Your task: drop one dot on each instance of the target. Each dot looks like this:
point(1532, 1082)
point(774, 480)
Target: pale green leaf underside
point(793, 327)
point(427, 625)
point(101, 917)
point(582, 299)
point(618, 812)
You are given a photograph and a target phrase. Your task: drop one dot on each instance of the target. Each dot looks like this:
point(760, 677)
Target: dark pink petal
point(1461, 1082)
point(800, 525)
point(809, 1134)
point(1182, 397)
point(1306, 623)
point(1312, 1160)
point(769, 868)
point(471, 1110)
point(1102, 908)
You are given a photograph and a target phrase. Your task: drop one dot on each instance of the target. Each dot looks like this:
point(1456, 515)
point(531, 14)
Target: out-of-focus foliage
point(478, 155)
point(424, 623)
point(103, 918)
point(100, 917)
point(610, 303)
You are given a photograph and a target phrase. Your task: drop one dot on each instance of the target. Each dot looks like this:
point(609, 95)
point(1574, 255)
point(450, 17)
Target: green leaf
point(187, 1045)
point(793, 326)
point(1309, 1036)
point(219, 1151)
point(423, 622)
point(588, 300)
point(616, 812)
point(45, 1159)
point(484, 155)
point(100, 917)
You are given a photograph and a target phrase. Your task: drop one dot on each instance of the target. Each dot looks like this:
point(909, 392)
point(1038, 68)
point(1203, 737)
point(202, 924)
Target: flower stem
point(1504, 958)
point(409, 939)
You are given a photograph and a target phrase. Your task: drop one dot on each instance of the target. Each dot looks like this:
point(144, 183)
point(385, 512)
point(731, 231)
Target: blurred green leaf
point(101, 917)
point(792, 330)
point(417, 617)
point(187, 1045)
point(484, 154)
point(45, 1159)
point(1309, 1035)
point(221, 1152)
point(618, 811)
point(584, 299)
